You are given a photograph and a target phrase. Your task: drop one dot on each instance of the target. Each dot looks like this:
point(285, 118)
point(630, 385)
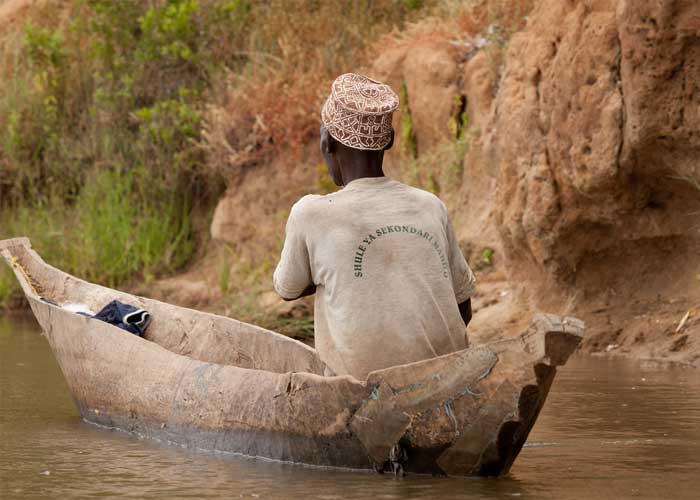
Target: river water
point(609, 430)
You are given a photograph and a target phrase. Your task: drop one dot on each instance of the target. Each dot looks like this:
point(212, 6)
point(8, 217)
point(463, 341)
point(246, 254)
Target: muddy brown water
point(609, 430)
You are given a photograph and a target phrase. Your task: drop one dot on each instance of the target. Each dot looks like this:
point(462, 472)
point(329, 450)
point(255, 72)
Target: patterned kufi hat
point(358, 112)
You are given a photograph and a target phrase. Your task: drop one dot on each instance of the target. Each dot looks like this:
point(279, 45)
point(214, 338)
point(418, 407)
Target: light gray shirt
point(388, 270)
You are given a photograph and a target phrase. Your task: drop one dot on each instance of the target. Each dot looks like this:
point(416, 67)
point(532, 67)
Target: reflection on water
point(610, 430)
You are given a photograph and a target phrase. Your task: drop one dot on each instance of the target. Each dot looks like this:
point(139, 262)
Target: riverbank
point(561, 136)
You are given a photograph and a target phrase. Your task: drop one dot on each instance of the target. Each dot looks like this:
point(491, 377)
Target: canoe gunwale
point(5, 251)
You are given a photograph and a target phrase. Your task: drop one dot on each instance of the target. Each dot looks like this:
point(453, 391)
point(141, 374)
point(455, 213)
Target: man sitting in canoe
point(391, 283)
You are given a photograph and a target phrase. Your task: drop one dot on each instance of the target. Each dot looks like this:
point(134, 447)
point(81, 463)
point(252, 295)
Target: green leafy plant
point(413, 4)
point(100, 161)
point(459, 128)
point(487, 256)
point(408, 138)
point(432, 184)
point(225, 269)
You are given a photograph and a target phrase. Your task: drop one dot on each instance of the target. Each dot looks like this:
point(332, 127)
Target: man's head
point(356, 126)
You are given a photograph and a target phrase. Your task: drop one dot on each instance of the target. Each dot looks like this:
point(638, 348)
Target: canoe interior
point(187, 332)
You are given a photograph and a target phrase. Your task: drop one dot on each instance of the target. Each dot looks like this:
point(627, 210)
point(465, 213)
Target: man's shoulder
point(306, 201)
point(312, 206)
point(427, 198)
point(306, 206)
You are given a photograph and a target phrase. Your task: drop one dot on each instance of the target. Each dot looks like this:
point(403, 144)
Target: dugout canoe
point(209, 382)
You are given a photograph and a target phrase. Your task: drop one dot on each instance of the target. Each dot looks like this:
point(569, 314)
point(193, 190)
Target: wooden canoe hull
point(229, 387)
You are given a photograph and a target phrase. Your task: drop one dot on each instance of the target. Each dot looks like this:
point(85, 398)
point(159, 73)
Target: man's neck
point(359, 165)
point(347, 179)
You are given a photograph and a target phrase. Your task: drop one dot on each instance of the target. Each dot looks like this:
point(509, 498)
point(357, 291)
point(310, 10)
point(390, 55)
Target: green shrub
point(121, 237)
point(100, 162)
point(413, 4)
point(107, 236)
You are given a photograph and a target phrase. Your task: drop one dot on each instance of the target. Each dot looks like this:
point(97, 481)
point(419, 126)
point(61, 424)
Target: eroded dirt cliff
point(596, 140)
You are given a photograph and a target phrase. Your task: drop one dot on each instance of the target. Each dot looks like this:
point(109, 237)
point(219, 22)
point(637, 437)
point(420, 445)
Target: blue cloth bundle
point(125, 316)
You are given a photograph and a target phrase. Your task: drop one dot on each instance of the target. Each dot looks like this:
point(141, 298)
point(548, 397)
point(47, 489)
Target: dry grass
point(476, 16)
point(296, 49)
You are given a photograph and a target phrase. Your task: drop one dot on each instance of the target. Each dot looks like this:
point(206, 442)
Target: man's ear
point(391, 141)
point(327, 141)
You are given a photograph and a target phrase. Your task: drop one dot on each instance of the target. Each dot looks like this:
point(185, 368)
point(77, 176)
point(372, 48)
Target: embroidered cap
point(358, 112)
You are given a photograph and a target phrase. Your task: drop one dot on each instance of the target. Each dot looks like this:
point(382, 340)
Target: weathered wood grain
point(214, 383)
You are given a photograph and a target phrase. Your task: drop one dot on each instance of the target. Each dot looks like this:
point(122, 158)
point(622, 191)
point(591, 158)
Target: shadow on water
point(610, 430)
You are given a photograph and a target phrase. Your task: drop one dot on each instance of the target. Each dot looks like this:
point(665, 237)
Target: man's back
point(388, 273)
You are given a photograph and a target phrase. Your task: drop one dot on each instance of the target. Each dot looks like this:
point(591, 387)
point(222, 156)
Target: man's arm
point(292, 278)
point(465, 310)
point(309, 290)
point(463, 279)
